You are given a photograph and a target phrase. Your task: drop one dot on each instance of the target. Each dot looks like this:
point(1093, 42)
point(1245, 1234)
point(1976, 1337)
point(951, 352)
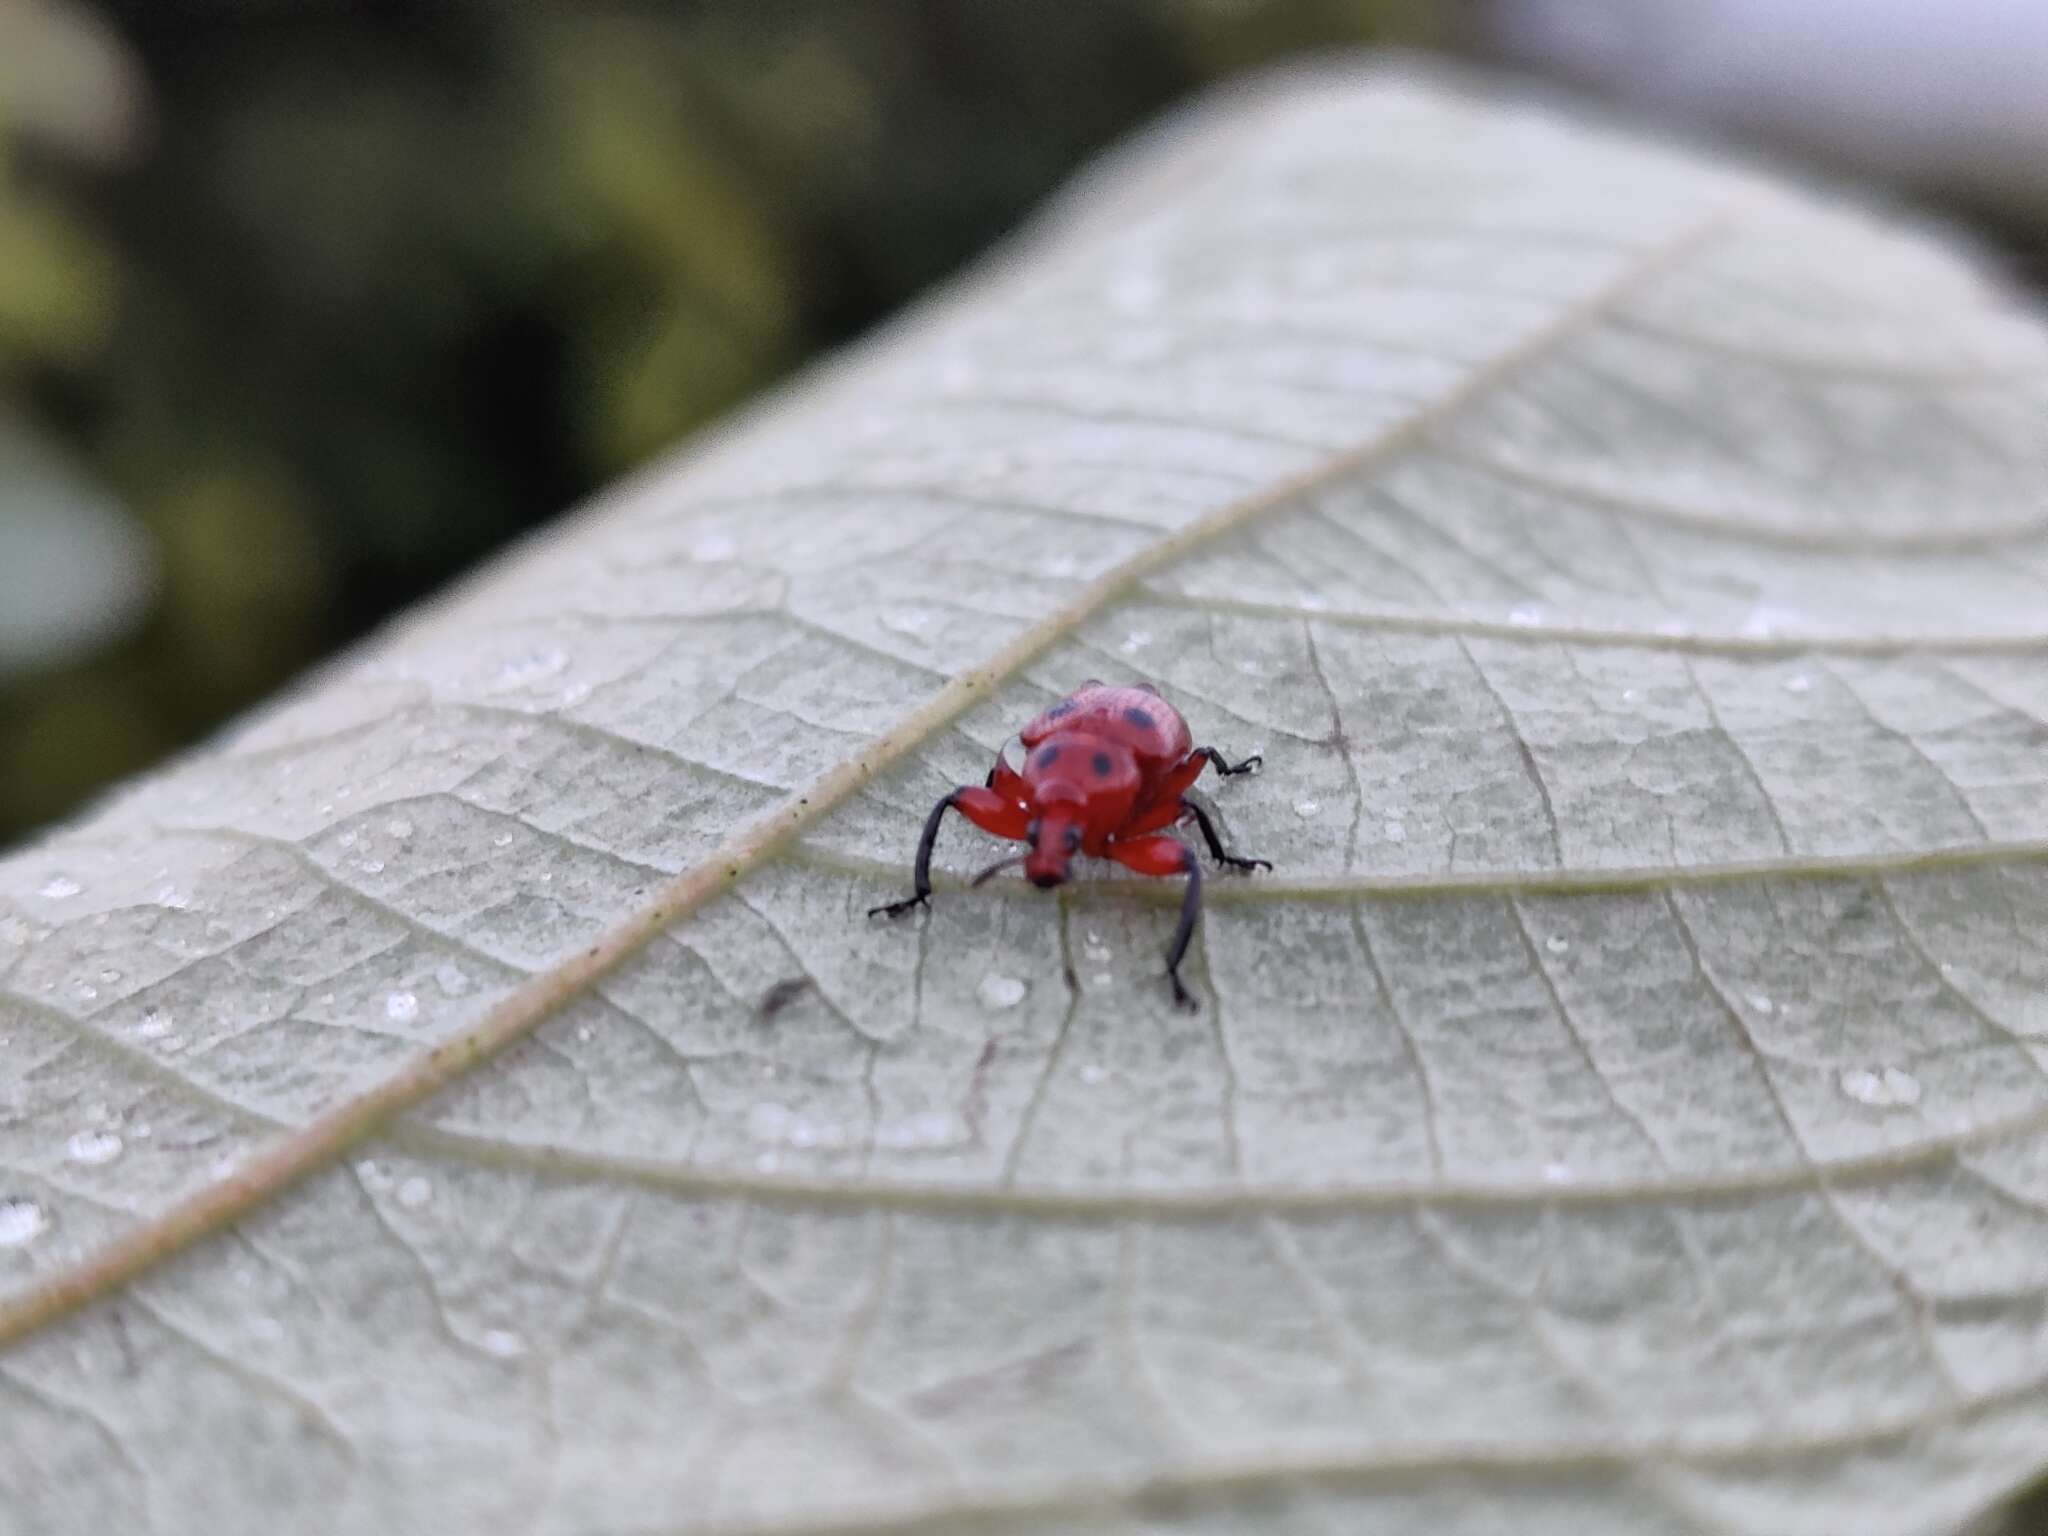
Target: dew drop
point(1766, 620)
point(415, 1192)
point(502, 840)
point(1396, 833)
point(60, 887)
point(1136, 640)
point(170, 896)
point(86, 991)
point(1001, 991)
point(372, 1173)
point(452, 979)
point(503, 1343)
point(1306, 809)
point(1881, 1087)
point(373, 866)
point(1557, 944)
point(93, 1148)
point(532, 667)
point(1525, 616)
point(1629, 695)
point(1902, 1085)
point(1761, 1004)
point(21, 1221)
point(401, 1006)
point(1558, 1173)
point(1091, 1074)
point(346, 840)
point(399, 828)
point(1798, 682)
point(1102, 979)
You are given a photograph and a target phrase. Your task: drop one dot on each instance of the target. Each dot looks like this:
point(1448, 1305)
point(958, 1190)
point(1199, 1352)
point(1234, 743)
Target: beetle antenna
point(998, 867)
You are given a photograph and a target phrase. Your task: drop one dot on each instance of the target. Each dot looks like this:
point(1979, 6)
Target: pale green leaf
point(1621, 1111)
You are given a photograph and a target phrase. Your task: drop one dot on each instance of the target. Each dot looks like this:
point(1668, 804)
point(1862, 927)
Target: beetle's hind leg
point(1216, 849)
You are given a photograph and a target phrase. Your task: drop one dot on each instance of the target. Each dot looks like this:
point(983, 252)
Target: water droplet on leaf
point(21, 1221)
point(93, 1147)
point(1001, 991)
point(503, 1343)
point(401, 1006)
point(1881, 1087)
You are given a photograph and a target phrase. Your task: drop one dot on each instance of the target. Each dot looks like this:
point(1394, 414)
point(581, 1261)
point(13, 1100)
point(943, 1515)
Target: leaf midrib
point(522, 1010)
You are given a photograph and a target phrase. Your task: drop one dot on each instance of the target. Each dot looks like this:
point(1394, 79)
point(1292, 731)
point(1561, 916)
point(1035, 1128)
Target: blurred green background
point(334, 299)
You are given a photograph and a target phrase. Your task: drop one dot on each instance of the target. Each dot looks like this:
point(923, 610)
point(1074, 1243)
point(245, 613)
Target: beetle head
point(1055, 838)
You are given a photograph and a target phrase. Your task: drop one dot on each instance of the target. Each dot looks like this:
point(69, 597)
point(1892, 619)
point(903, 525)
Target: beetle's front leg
point(1164, 855)
point(986, 809)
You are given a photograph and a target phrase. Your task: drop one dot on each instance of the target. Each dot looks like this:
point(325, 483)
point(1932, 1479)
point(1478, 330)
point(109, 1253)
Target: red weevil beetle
point(1105, 773)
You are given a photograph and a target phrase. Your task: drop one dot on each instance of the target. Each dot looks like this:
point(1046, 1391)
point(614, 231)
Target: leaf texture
point(1622, 1110)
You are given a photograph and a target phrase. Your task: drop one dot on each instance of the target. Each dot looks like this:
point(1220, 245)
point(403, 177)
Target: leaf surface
point(1621, 1111)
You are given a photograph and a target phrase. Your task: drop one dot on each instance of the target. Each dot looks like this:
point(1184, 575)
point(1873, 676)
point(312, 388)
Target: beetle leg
point(1163, 855)
point(1229, 860)
point(982, 806)
point(1223, 765)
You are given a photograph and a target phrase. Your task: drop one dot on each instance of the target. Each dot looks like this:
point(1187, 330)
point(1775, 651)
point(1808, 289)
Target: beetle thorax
point(1083, 787)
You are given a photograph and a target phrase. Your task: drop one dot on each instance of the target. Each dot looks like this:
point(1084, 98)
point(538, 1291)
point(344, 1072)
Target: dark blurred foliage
point(377, 286)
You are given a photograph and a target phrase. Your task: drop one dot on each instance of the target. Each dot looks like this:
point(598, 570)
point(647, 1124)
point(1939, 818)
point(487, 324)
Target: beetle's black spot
point(1139, 718)
point(1101, 765)
point(1048, 757)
